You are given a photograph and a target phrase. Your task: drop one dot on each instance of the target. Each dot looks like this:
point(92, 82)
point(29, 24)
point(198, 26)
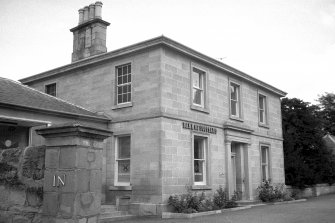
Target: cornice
point(237, 127)
point(89, 22)
point(158, 41)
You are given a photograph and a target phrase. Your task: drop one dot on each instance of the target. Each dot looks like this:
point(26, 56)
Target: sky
point(289, 44)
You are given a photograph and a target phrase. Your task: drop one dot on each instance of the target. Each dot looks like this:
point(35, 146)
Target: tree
point(327, 113)
point(307, 162)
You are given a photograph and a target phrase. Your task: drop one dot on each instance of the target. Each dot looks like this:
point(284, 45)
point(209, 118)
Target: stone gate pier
point(73, 169)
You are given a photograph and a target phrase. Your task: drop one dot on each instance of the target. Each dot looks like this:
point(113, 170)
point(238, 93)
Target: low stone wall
point(317, 190)
point(19, 205)
point(21, 184)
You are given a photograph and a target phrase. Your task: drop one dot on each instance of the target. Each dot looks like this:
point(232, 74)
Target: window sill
point(120, 188)
point(199, 108)
point(125, 105)
point(201, 187)
point(236, 118)
point(263, 125)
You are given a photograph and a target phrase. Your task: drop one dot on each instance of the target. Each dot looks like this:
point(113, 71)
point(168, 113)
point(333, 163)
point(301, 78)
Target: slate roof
point(16, 94)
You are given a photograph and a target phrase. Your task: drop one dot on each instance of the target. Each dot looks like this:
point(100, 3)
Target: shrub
point(187, 203)
point(232, 202)
point(270, 193)
point(191, 202)
point(220, 198)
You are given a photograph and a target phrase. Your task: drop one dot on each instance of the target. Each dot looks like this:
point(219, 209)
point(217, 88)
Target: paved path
point(314, 210)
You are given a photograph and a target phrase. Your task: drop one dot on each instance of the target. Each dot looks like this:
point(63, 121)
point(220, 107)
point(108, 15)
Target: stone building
point(179, 118)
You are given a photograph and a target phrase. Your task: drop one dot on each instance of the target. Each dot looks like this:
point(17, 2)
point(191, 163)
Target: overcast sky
point(289, 44)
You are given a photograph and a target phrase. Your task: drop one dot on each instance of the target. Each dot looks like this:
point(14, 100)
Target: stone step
point(111, 213)
point(106, 208)
point(117, 218)
point(114, 214)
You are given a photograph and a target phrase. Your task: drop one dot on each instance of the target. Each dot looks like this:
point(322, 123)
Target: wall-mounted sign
point(58, 181)
point(199, 128)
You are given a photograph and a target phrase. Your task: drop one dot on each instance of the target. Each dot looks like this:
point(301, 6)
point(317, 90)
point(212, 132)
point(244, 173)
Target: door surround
point(239, 135)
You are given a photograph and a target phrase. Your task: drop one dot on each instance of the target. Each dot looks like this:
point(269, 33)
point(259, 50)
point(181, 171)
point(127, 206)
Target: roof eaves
point(94, 59)
point(189, 51)
point(149, 43)
point(57, 112)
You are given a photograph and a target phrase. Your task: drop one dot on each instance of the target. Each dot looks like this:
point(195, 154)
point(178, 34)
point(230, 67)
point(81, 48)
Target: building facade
point(179, 118)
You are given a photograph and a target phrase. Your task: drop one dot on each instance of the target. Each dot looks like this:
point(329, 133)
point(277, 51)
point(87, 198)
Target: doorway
point(239, 168)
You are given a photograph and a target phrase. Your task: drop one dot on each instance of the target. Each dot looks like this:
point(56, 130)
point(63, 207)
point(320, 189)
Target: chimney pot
point(86, 13)
point(98, 6)
point(91, 11)
point(81, 16)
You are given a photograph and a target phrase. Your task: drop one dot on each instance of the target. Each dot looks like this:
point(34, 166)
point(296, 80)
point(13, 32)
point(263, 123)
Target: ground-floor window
point(122, 160)
point(265, 163)
point(200, 160)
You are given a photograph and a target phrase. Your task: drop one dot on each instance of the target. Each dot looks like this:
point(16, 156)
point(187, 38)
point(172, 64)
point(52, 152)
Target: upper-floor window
point(262, 109)
point(123, 84)
point(198, 79)
point(122, 160)
point(51, 89)
point(235, 100)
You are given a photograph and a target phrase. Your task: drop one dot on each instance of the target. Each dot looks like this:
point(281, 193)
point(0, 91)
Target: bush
point(270, 193)
point(191, 202)
point(232, 202)
point(187, 203)
point(220, 198)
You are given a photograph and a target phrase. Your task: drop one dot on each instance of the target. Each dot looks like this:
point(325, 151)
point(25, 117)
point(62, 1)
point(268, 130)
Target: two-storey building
point(179, 117)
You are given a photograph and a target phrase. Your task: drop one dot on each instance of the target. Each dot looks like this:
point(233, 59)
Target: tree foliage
point(307, 162)
point(327, 113)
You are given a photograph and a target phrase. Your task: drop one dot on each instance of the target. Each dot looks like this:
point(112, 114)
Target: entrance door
point(238, 159)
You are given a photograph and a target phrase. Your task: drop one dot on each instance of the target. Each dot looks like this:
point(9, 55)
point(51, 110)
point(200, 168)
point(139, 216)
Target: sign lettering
point(199, 128)
point(59, 181)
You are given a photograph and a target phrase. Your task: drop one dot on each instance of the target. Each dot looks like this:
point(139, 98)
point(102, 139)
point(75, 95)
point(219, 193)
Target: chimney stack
point(89, 37)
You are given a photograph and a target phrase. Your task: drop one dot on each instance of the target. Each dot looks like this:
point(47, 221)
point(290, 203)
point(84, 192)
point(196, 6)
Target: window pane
point(261, 102)
point(197, 96)
point(198, 149)
point(261, 116)
point(119, 90)
point(119, 98)
point(198, 170)
point(233, 108)
point(124, 78)
point(234, 92)
point(264, 155)
point(119, 80)
point(129, 88)
point(129, 78)
point(51, 89)
point(125, 70)
point(124, 89)
point(264, 176)
point(119, 71)
point(124, 98)
point(196, 79)
point(124, 171)
point(129, 96)
point(129, 68)
point(124, 147)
